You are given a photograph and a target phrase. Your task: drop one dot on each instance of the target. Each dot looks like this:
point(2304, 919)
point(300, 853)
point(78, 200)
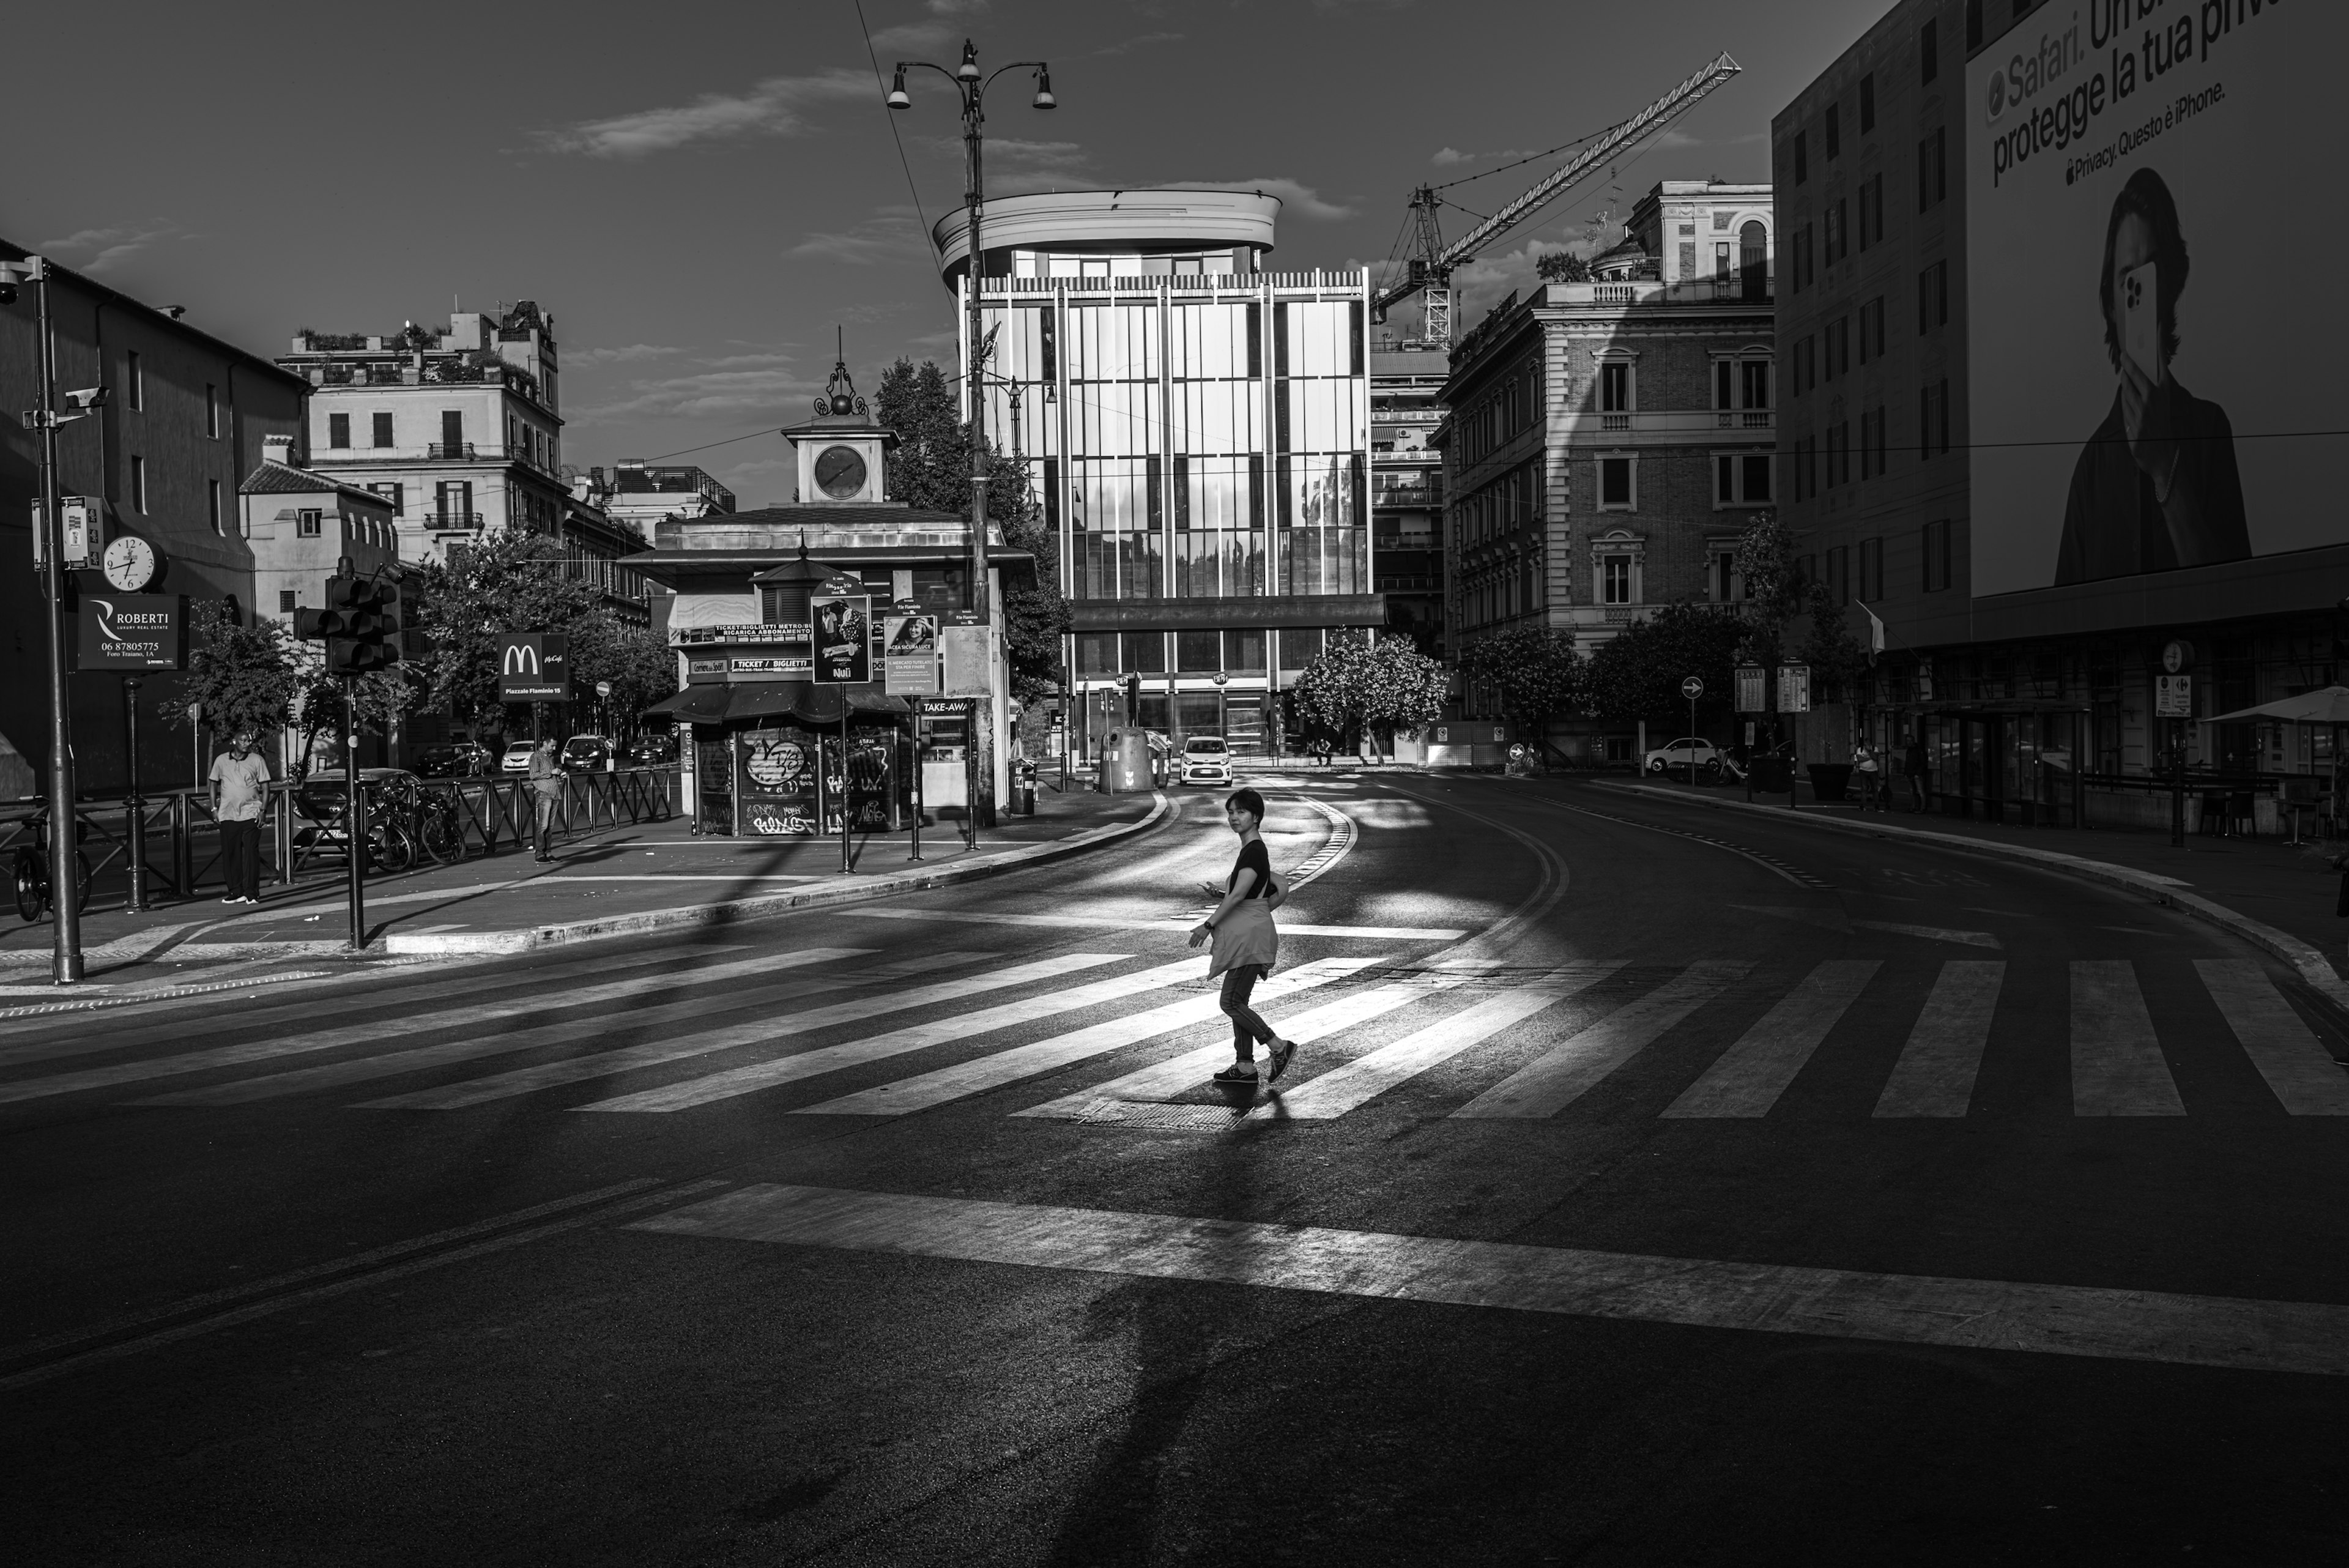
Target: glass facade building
point(1196, 432)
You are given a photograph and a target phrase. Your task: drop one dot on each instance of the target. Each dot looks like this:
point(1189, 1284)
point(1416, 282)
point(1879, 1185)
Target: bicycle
point(35, 892)
point(390, 846)
point(430, 817)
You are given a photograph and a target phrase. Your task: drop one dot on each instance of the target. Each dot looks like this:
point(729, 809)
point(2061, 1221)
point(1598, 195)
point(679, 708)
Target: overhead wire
point(923, 218)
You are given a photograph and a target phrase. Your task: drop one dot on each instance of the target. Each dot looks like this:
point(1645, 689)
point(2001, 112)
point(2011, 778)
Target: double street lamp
point(972, 88)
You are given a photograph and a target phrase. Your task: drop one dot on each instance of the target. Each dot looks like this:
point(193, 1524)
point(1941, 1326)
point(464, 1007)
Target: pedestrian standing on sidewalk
point(546, 789)
point(1246, 944)
point(1913, 763)
point(1871, 778)
point(240, 789)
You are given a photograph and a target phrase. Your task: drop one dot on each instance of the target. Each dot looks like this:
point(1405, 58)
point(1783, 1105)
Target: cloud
point(107, 248)
point(741, 387)
point(892, 234)
point(776, 106)
point(909, 36)
point(1299, 199)
point(632, 353)
point(1145, 41)
point(1448, 156)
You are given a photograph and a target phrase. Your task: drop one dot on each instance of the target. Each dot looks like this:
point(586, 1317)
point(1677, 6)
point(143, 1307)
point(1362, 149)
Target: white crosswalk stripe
point(1564, 1074)
point(1936, 1072)
point(966, 1078)
point(1162, 1081)
point(898, 1042)
point(2287, 1052)
point(692, 1010)
point(764, 1032)
point(82, 1039)
point(247, 1051)
point(1752, 1073)
point(2117, 1064)
point(1354, 1084)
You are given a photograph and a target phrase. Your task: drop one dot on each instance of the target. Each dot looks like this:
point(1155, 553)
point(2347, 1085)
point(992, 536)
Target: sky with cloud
point(703, 193)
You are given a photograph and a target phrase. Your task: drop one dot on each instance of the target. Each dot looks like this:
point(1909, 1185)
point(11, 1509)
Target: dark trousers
point(542, 809)
point(1239, 984)
point(241, 858)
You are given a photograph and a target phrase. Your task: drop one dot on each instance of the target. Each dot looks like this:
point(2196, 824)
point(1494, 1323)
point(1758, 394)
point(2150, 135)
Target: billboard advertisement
point(843, 637)
point(534, 666)
point(2148, 388)
point(131, 633)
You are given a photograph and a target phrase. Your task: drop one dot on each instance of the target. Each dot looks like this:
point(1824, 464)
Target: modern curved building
point(1196, 430)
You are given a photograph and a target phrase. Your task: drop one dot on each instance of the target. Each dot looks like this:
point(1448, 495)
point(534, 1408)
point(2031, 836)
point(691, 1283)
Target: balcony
point(449, 451)
point(1429, 494)
point(454, 522)
point(1682, 423)
point(1648, 292)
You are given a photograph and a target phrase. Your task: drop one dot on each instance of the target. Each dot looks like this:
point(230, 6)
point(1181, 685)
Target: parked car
point(457, 760)
point(650, 750)
point(1206, 761)
point(1677, 756)
point(517, 757)
point(588, 754)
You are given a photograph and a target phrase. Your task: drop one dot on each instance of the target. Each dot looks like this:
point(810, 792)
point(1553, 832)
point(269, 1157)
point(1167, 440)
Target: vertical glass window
point(338, 430)
point(1322, 513)
point(1198, 652)
point(1143, 652)
point(137, 377)
point(213, 499)
point(211, 410)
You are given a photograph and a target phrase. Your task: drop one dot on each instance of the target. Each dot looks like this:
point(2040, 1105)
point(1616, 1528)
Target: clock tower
point(841, 450)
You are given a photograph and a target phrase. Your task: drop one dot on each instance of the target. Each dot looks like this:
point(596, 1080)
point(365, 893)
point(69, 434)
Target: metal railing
point(440, 449)
point(180, 840)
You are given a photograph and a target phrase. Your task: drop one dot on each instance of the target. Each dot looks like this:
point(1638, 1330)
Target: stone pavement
point(639, 878)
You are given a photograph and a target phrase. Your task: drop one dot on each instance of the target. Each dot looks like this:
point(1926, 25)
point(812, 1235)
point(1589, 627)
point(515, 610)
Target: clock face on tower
point(130, 563)
point(839, 470)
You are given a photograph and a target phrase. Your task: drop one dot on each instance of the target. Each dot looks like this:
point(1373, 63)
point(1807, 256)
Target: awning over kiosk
point(803, 701)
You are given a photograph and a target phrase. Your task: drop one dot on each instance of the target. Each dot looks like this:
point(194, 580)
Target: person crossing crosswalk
point(1107, 1034)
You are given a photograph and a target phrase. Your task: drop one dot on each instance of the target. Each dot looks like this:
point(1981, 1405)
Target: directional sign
point(2173, 696)
point(1692, 689)
point(132, 632)
point(534, 666)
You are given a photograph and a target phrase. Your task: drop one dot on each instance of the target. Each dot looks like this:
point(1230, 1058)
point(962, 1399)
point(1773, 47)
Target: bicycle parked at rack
point(390, 845)
point(35, 892)
point(432, 817)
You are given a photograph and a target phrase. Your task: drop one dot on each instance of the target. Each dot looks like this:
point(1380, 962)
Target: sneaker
point(231, 898)
point(1235, 1073)
point(1282, 1050)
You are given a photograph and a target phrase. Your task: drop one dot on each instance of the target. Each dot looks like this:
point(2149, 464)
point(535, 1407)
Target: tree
point(1354, 685)
point(508, 583)
point(1638, 673)
point(1774, 588)
point(242, 679)
point(931, 468)
point(1563, 267)
point(1536, 672)
point(1834, 656)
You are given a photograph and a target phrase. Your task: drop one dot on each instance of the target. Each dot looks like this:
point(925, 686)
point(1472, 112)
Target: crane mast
point(1432, 266)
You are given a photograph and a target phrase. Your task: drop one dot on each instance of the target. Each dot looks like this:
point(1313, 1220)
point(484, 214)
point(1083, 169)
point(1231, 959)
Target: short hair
point(2147, 196)
point(1249, 801)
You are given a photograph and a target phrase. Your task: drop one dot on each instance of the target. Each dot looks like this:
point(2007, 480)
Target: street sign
point(842, 642)
point(132, 632)
point(1692, 689)
point(1752, 688)
point(534, 666)
point(1794, 689)
point(966, 660)
point(909, 655)
point(604, 688)
point(2173, 696)
point(85, 532)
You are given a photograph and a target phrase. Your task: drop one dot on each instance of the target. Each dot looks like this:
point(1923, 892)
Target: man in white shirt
point(240, 791)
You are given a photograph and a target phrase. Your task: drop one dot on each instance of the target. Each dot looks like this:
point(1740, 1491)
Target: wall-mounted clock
point(840, 470)
point(130, 563)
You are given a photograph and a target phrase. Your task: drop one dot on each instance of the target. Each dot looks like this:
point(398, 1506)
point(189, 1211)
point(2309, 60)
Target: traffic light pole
point(66, 955)
point(354, 819)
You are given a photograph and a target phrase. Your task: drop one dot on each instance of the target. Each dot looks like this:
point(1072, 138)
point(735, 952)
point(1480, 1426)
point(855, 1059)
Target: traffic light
point(360, 624)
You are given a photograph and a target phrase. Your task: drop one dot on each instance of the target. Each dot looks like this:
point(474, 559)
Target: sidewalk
point(2288, 889)
point(649, 877)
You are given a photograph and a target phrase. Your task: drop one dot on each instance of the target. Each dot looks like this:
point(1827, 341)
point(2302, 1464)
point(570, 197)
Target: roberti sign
point(131, 632)
point(534, 666)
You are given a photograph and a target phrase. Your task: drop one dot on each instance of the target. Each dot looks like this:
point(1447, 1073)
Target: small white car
point(1676, 757)
point(1206, 761)
point(517, 757)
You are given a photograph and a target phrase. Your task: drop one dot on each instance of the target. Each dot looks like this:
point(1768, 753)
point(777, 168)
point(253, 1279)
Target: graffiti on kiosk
point(776, 763)
point(768, 818)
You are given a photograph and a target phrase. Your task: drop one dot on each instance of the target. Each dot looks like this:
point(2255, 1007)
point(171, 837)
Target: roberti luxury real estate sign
point(2148, 334)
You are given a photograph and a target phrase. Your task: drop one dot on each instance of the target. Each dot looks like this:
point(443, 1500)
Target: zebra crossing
point(1095, 1035)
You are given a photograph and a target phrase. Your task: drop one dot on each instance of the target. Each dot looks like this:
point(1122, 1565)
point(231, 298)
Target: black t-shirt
point(1253, 857)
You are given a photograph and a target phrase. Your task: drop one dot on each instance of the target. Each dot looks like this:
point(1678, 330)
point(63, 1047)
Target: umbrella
point(2326, 705)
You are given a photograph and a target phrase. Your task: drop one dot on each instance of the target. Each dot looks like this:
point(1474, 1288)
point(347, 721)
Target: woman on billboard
point(2156, 487)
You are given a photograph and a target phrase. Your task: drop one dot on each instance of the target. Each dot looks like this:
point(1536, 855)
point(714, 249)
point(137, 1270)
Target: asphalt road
point(1648, 1188)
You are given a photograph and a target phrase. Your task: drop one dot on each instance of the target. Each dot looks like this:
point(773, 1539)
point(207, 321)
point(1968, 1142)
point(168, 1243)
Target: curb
point(2314, 967)
point(847, 890)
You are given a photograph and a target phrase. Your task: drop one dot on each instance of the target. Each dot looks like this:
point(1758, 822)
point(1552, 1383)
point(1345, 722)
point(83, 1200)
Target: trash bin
point(1023, 790)
point(1829, 781)
point(1125, 767)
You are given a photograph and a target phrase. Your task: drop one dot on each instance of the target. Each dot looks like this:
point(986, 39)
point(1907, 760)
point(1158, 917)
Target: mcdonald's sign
point(534, 666)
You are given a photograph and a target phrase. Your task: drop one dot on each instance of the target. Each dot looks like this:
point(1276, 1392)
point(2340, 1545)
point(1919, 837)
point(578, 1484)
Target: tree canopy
point(1385, 687)
point(1535, 671)
point(931, 468)
point(1638, 673)
point(243, 679)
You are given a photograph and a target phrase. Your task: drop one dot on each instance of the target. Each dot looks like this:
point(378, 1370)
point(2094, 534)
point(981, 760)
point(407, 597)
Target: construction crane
point(1431, 268)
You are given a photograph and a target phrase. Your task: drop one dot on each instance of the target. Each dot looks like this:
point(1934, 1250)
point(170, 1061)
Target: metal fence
point(177, 839)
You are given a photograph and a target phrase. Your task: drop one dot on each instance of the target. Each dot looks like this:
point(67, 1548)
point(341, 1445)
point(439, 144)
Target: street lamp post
point(971, 86)
point(66, 955)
